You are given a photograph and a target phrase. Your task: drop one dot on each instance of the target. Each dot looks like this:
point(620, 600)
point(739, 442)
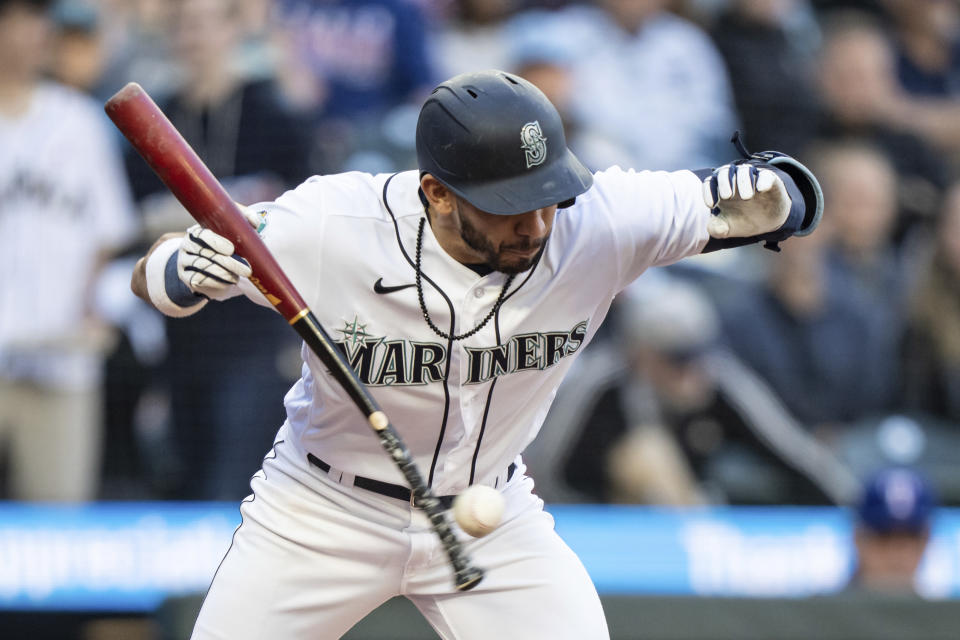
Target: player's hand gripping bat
point(185, 175)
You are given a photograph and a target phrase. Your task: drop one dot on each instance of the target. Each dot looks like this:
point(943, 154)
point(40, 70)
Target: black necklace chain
point(423, 305)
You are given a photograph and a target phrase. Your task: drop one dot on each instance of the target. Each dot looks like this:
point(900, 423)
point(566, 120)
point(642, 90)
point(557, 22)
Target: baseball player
point(460, 294)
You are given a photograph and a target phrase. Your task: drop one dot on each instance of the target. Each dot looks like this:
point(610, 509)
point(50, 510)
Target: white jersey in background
point(63, 199)
point(64, 203)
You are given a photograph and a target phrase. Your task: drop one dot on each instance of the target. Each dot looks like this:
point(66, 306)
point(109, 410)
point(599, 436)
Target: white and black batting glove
point(746, 200)
point(766, 197)
point(206, 263)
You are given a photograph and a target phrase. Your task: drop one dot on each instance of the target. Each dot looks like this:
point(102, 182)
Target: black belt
point(392, 490)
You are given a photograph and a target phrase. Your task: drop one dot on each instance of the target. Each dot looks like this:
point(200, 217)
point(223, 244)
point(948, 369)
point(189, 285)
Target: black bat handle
point(310, 329)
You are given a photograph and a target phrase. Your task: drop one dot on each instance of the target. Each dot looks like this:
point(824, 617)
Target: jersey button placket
point(473, 308)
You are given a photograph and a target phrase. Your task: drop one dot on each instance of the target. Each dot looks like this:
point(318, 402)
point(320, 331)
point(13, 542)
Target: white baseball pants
point(312, 557)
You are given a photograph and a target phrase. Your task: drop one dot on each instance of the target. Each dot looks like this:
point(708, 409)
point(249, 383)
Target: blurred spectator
point(65, 209)
point(860, 195)
point(932, 351)
point(240, 126)
point(362, 67)
point(134, 37)
point(862, 206)
point(665, 415)
point(769, 47)
point(256, 55)
point(858, 83)
point(816, 341)
point(871, 7)
point(537, 53)
point(893, 519)
point(926, 34)
point(219, 372)
point(647, 80)
point(472, 37)
point(79, 59)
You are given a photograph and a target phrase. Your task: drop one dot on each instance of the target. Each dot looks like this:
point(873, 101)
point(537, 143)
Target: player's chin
point(512, 261)
point(513, 265)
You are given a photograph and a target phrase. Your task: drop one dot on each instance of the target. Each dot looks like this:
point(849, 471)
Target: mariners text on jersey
point(380, 362)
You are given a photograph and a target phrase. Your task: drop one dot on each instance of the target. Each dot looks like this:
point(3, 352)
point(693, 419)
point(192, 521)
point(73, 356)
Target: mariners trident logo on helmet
point(534, 143)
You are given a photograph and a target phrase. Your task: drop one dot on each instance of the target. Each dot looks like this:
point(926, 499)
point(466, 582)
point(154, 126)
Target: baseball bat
point(179, 167)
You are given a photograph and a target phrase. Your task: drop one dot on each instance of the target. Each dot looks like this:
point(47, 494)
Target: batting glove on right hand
point(206, 263)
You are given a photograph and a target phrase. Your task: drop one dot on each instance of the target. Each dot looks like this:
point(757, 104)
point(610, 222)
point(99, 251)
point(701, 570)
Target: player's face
point(509, 244)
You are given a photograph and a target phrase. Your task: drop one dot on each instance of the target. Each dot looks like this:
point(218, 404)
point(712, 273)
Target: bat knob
point(468, 578)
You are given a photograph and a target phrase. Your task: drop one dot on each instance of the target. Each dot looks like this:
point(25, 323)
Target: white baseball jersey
point(63, 199)
point(315, 552)
point(465, 408)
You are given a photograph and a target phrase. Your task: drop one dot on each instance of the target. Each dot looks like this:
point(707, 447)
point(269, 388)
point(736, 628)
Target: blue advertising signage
point(737, 551)
point(130, 556)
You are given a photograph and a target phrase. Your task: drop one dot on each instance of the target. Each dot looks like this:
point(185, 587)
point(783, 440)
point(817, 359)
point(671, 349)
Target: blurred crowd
point(739, 377)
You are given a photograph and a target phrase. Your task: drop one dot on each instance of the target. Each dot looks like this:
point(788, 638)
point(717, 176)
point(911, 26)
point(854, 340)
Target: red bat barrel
point(179, 167)
point(155, 138)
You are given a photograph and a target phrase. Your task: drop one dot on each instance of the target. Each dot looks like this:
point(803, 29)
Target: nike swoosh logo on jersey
point(379, 287)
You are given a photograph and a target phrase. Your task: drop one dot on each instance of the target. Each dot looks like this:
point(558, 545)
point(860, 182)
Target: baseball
point(478, 510)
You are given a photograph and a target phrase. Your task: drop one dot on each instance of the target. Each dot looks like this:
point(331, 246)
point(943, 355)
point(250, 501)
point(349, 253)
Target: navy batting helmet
point(896, 500)
point(496, 141)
